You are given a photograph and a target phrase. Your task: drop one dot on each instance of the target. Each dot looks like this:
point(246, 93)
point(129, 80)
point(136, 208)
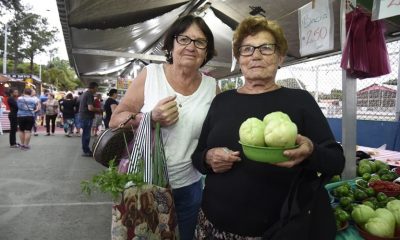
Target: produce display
point(371, 201)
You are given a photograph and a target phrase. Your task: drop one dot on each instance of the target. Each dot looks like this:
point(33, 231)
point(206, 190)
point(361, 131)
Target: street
point(40, 194)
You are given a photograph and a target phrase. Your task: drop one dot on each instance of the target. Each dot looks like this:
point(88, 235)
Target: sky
point(48, 9)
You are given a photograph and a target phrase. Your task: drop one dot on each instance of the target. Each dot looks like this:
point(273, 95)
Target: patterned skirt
point(205, 230)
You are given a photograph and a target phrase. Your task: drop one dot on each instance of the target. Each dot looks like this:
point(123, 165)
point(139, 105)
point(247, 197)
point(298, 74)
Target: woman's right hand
point(165, 112)
point(221, 159)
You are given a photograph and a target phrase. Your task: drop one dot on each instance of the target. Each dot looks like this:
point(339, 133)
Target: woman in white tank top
point(178, 96)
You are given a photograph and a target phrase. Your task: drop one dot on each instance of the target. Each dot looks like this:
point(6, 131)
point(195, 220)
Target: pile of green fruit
point(371, 170)
point(381, 222)
point(348, 195)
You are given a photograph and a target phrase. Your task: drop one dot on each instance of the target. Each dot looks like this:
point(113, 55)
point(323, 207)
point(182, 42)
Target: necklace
point(181, 99)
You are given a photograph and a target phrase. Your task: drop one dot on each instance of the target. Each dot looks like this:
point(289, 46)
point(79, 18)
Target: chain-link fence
point(376, 97)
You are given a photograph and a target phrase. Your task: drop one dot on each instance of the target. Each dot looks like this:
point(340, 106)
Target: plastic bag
point(365, 54)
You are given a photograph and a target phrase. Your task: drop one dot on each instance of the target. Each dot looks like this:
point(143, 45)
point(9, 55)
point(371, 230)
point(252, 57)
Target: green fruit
point(374, 178)
point(366, 176)
point(370, 192)
point(345, 201)
point(362, 182)
point(342, 191)
point(381, 165)
point(363, 168)
point(342, 216)
point(386, 177)
point(373, 166)
point(363, 161)
point(360, 195)
point(382, 172)
point(381, 197)
point(370, 204)
point(372, 199)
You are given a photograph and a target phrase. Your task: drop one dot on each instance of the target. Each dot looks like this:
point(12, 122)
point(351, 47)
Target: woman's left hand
point(297, 155)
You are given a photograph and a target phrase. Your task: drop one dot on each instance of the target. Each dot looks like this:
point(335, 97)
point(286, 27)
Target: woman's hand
point(296, 156)
point(165, 112)
point(221, 159)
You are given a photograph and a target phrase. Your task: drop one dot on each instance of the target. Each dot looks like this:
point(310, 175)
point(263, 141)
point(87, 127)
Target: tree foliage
point(38, 37)
point(10, 5)
point(59, 74)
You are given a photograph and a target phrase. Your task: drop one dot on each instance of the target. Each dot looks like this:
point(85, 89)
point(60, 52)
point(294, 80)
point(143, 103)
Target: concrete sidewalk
point(40, 194)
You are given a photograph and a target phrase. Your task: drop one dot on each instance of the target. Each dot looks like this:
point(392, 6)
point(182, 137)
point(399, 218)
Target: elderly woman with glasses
point(242, 198)
point(178, 96)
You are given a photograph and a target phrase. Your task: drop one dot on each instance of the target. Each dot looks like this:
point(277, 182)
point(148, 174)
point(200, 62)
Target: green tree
point(10, 5)
point(60, 74)
point(336, 94)
point(391, 82)
point(38, 36)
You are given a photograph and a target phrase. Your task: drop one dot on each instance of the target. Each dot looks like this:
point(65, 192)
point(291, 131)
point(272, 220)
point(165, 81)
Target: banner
point(316, 28)
point(385, 8)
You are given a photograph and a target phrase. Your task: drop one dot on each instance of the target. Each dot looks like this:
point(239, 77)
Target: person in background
point(77, 120)
point(110, 105)
point(12, 116)
point(37, 113)
point(43, 98)
point(242, 198)
point(98, 116)
point(52, 109)
point(27, 107)
point(67, 108)
point(178, 96)
point(1, 114)
point(86, 115)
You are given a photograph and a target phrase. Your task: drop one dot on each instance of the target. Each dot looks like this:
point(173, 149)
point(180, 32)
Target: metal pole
point(5, 49)
point(398, 91)
point(349, 113)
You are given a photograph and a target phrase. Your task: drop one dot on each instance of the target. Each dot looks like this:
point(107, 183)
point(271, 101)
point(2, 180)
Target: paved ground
point(40, 195)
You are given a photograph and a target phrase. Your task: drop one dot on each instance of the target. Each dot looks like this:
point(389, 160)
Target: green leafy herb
point(111, 181)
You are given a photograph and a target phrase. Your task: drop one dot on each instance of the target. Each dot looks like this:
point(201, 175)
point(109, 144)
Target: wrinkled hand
point(296, 156)
point(166, 111)
point(221, 159)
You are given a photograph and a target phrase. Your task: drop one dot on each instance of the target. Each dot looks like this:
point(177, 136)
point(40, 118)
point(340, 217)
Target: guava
point(280, 133)
point(251, 132)
point(276, 116)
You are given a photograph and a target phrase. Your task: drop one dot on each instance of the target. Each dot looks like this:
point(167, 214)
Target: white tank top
point(180, 139)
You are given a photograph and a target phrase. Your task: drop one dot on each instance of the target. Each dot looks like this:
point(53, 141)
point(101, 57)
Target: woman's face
point(258, 66)
point(189, 55)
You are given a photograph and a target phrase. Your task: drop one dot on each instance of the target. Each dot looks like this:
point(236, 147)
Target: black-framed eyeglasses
point(185, 40)
point(265, 49)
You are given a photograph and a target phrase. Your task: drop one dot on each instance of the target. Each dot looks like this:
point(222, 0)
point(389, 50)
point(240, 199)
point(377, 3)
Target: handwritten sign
point(385, 8)
point(316, 28)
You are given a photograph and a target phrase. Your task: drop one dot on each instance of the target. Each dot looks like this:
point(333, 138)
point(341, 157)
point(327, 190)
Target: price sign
point(385, 8)
point(316, 28)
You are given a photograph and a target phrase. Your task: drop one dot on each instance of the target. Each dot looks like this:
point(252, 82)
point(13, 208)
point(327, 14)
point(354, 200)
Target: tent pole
point(398, 91)
point(349, 106)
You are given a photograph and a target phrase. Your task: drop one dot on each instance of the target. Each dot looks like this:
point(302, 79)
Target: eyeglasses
point(185, 40)
point(265, 49)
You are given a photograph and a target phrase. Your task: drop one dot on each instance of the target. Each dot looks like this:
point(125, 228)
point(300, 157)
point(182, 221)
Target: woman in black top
point(242, 198)
point(110, 105)
point(12, 116)
point(68, 112)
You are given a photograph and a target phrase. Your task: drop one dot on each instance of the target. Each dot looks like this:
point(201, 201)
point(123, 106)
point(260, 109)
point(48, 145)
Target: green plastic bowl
point(265, 154)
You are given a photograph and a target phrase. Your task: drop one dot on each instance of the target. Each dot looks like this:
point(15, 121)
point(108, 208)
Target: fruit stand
point(367, 207)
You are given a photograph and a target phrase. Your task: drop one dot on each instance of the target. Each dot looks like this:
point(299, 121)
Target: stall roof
point(109, 39)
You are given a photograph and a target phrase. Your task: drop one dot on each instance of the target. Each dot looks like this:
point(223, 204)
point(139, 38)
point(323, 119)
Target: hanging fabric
point(365, 54)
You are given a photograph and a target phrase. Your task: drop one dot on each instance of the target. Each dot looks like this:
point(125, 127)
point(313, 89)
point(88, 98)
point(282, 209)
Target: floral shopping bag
point(147, 209)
